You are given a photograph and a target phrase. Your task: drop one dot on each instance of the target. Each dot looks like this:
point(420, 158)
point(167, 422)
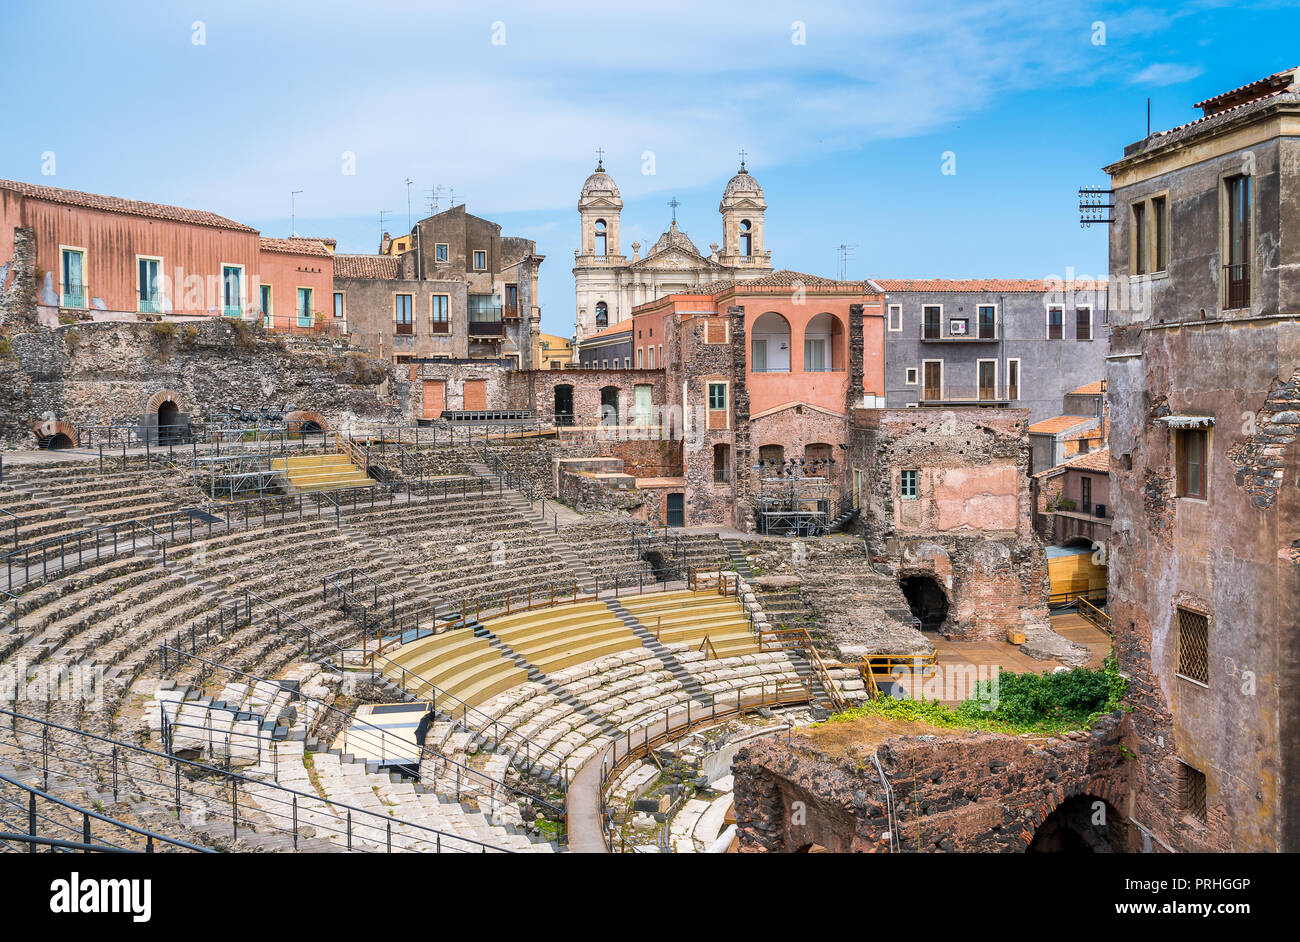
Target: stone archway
point(1081, 824)
point(306, 422)
point(55, 434)
point(927, 599)
point(161, 397)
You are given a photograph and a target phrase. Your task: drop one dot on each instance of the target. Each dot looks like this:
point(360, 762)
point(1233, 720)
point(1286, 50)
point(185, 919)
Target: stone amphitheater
point(432, 662)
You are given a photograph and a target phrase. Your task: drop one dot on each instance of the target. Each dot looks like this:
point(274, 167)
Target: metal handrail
point(201, 769)
point(88, 815)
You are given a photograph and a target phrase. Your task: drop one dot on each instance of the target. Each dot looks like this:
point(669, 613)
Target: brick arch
point(1103, 788)
point(157, 399)
point(294, 420)
point(48, 429)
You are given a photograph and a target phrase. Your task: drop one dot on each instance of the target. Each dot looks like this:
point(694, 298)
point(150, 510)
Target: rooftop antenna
point(293, 213)
point(434, 194)
point(742, 161)
point(451, 198)
point(843, 252)
point(674, 204)
point(408, 204)
point(1148, 116)
point(382, 214)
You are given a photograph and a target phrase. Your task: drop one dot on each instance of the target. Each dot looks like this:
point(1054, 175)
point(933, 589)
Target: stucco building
point(1203, 381)
point(1011, 343)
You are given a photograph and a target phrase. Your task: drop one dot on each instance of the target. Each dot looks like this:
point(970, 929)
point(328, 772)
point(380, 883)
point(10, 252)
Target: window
point(480, 260)
point(760, 355)
point(72, 280)
point(911, 376)
point(1191, 447)
point(746, 238)
point(650, 363)
point(1237, 270)
point(627, 363)
point(717, 396)
point(147, 285)
point(988, 317)
point(640, 358)
point(1139, 238)
point(441, 252)
point(1160, 214)
point(438, 305)
point(338, 304)
point(1193, 792)
point(932, 315)
point(895, 317)
point(304, 307)
point(402, 307)
point(602, 314)
point(907, 484)
point(721, 463)
point(512, 300)
point(1013, 380)
point(232, 290)
point(1083, 323)
point(1193, 645)
point(601, 237)
point(1055, 323)
point(604, 364)
point(264, 304)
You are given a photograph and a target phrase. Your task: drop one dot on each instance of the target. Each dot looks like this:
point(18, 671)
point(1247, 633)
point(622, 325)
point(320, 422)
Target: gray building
point(608, 350)
point(1014, 343)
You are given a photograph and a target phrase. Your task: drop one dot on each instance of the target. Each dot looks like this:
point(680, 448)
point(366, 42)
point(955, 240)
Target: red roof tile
point(115, 204)
point(1059, 424)
point(379, 267)
point(294, 246)
point(1092, 389)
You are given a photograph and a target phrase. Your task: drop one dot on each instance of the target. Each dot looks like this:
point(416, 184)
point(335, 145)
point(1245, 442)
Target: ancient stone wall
point(102, 373)
point(977, 792)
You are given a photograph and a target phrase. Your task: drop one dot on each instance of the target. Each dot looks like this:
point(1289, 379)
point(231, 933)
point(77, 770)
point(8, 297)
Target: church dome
point(742, 184)
point(600, 184)
point(674, 238)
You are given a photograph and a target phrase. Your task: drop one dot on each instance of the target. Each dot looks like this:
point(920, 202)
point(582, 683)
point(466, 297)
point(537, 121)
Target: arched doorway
point(58, 441)
point(927, 600)
point(563, 404)
point(609, 405)
point(169, 428)
point(657, 567)
point(823, 340)
point(770, 344)
point(1084, 824)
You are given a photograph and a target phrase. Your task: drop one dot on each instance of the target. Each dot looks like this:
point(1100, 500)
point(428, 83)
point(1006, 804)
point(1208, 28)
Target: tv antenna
point(293, 213)
point(382, 214)
point(408, 204)
point(843, 251)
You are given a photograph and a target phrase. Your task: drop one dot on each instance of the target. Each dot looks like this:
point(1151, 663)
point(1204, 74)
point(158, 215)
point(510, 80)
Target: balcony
point(933, 333)
point(1237, 280)
point(971, 396)
point(73, 296)
point(487, 328)
point(151, 305)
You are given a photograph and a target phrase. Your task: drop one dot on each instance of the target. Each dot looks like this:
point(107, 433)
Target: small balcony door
point(933, 385)
point(988, 379)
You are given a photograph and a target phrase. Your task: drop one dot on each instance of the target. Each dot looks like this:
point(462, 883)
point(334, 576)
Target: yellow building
point(553, 353)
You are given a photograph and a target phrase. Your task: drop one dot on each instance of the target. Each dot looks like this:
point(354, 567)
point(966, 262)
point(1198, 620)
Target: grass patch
point(1026, 703)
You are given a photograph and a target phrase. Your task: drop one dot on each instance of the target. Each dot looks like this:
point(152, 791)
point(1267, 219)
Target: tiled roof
point(1251, 91)
point(1060, 424)
point(115, 204)
point(1093, 461)
point(383, 267)
point(294, 246)
point(620, 328)
point(1092, 389)
point(1005, 285)
point(781, 278)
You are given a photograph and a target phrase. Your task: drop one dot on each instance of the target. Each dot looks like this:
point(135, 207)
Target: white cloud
point(1167, 73)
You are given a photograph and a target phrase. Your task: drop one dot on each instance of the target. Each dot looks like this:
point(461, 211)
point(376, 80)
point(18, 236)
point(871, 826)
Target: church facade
point(609, 284)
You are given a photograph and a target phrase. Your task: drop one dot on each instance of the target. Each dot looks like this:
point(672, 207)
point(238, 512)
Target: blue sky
point(847, 130)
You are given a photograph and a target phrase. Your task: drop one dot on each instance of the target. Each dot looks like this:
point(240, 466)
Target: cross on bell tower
point(742, 160)
point(600, 159)
point(674, 204)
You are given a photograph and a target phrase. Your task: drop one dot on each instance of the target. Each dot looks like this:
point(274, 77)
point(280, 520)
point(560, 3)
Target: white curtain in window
point(814, 356)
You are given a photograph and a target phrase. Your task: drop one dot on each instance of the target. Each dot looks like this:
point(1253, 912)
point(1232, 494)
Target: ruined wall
point(978, 792)
point(970, 525)
point(100, 373)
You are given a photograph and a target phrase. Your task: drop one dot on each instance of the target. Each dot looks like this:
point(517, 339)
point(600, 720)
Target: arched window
point(770, 344)
point(602, 315)
point(600, 237)
point(823, 340)
point(746, 238)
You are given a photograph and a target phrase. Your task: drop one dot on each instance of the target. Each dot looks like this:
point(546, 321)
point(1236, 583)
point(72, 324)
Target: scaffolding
point(239, 463)
point(795, 496)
